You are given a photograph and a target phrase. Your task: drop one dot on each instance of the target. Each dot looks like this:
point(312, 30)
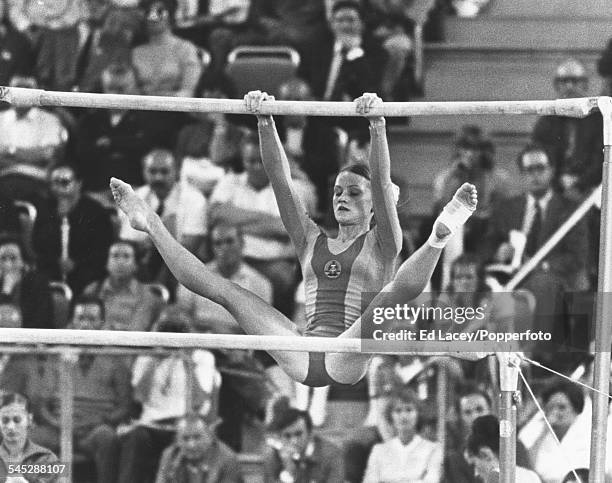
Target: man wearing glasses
point(72, 233)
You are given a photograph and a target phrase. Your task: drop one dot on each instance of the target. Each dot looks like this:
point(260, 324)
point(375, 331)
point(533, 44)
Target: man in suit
point(538, 213)
point(345, 63)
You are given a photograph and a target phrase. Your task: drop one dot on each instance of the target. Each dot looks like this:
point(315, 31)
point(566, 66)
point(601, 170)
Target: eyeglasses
point(62, 181)
point(570, 79)
point(292, 434)
point(15, 419)
point(535, 168)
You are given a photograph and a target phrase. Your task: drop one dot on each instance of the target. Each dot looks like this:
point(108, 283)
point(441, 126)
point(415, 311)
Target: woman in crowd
point(17, 450)
point(25, 287)
point(407, 456)
point(337, 271)
point(166, 64)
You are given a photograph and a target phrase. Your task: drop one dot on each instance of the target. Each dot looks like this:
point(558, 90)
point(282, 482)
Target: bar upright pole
point(603, 328)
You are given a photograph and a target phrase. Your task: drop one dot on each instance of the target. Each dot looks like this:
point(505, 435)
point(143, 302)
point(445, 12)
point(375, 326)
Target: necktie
point(534, 232)
point(155, 260)
point(160, 208)
point(334, 72)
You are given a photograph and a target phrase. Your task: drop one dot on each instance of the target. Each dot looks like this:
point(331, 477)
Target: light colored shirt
point(392, 462)
point(207, 312)
point(168, 67)
point(52, 14)
point(185, 212)
point(167, 396)
point(37, 129)
point(235, 189)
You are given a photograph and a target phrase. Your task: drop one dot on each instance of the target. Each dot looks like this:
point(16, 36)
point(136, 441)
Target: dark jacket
point(33, 296)
point(584, 156)
point(91, 234)
point(33, 455)
point(221, 465)
point(569, 256)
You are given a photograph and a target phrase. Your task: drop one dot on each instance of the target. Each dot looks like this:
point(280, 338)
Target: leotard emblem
point(333, 269)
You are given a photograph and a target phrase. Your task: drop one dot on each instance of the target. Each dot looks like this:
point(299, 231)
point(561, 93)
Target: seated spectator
point(17, 449)
point(183, 210)
point(108, 38)
point(473, 161)
point(160, 385)
point(128, 303)
point(25, 287)
point(575, 144)
point(181, 68)
point(55, 26)
point(407, 456)
point(72, 233)
point(203, 147)
point(311, 143)
point(296, 454)
point(17, 52)
point(344, 63)
point(102, 399)
point(113, 142)
point(392, 26)
point(582, 473)
point(246, 200)
point(483, 451)
point(536, 215)
point(227, 244)
point(30, 135)
point(197, 455)
point(563, 404)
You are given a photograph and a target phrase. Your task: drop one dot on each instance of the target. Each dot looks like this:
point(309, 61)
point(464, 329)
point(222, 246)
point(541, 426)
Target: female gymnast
point(336, 271)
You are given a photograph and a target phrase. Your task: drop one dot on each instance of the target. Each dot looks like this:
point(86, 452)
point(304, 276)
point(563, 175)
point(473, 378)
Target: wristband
point(378, 123)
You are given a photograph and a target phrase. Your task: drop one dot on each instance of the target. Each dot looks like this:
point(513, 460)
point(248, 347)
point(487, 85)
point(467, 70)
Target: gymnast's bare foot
point(138, 212)
point(457, 211)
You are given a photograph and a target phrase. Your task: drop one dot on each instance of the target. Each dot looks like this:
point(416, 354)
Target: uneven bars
point(118, 338)
point(19, 96)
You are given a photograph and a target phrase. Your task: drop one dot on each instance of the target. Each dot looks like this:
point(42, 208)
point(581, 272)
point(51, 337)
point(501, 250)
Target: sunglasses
point(62, 181)
point(535, 168)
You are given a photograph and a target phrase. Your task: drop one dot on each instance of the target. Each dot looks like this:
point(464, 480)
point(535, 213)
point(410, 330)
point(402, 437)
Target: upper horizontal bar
point(19, 96)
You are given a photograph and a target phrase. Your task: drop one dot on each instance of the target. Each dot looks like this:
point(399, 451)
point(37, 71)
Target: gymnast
point(336, 270)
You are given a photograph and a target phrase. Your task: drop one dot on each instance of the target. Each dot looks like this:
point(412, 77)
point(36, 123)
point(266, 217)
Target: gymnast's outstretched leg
point(409, 282)
point(254, 315)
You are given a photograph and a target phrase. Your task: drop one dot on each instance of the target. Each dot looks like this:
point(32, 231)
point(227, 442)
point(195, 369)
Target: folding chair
point(261, 67)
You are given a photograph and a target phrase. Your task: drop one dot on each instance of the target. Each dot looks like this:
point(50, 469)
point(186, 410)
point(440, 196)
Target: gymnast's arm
point(275, 161)
point(384, 204)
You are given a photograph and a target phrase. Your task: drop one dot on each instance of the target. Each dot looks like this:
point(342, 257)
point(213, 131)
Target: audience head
point(159, 15)
point(122, 260)
point(160, 172)
point(346, 20)
point(352, 200)
point(173, 319)
point(88, 313)
point(26, 81)
point(571, 79)
point(12, 259)
point(604, 68)
point(563, 402)
point(536, 168)
point(295, 89)
point(473, 151)
point(466, 274)
point(10, 314)
point(119, 78)
point(227, 243)
point(15, 420)
point(251, 160)
point(65, 186)
point(194, 436)
point(483, 446)
point(292, 427)
point(471, 404)
point(583, 476)
point(402, 412)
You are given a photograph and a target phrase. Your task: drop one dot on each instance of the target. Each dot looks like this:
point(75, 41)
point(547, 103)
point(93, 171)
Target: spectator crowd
point(69, 260)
